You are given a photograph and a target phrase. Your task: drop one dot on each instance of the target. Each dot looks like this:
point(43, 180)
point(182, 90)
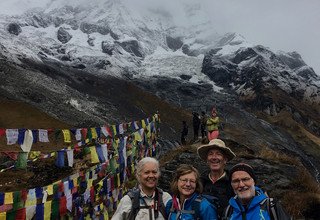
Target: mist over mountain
point(91, 63)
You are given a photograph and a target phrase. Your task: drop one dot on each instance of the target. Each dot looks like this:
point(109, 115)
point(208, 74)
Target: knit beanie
point(243, 167)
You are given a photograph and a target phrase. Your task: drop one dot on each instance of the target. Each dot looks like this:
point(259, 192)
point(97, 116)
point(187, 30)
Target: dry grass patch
point(272, 155)
point(306, 196)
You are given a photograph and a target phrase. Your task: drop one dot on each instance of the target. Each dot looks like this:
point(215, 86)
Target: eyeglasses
point(236, 182)
point(184, 181)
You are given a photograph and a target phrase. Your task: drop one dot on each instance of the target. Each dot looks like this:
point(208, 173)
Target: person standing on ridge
point(213, 125)
point(184, 132)
point(216, 181)
point(196, 125)
point(203, 125)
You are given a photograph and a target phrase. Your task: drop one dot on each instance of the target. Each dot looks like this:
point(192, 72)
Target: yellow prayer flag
point(34, 154)
point(3, 215)
point(94, 133)
point(8, 198)
point(149, 130)
point(94, 155)
point(75, 182)
point(47, 210)
point(50, 189)
point(90, 183)
point(137, 136)
point(143, 123)
point(114, 129)
point(105, 215)
point(66, 135)
point(118, 179)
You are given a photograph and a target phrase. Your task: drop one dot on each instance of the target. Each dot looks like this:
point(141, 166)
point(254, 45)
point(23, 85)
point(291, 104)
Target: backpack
point(195, 206)
point(267, 204)
point(135, 197)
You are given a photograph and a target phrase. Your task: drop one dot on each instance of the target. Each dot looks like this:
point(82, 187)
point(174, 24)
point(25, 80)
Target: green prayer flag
point(21, 163)
point(17, 201)
point(55, 209)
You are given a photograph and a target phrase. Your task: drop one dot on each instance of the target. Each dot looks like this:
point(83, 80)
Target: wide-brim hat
point(218, 144)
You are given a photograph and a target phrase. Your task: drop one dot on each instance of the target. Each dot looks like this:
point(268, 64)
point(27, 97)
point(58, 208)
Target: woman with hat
point(213, 125)
point(187, 202)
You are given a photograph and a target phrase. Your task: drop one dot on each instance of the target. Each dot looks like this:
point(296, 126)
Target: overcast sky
point(288, 25)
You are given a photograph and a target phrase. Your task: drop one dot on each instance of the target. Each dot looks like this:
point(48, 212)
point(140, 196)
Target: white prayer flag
point(12, 136)
point(43, 135)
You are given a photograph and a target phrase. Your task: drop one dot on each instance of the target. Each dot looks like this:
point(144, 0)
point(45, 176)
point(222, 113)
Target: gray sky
point(288, 25)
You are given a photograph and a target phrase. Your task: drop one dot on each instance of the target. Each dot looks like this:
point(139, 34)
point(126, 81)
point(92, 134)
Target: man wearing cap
point(250, 201)
point(216, 181)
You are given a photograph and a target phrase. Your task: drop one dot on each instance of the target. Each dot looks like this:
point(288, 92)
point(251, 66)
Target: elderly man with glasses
point(250, 202)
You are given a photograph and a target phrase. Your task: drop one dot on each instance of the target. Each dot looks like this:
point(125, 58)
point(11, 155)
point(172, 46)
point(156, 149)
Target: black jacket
point(221, 189)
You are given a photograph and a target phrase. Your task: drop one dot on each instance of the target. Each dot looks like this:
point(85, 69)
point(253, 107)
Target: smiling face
point(148, 177)
point(187, 185)
point(216, 160)
point(243, 186)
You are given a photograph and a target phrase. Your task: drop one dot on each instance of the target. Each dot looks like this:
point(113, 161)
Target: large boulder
point(174, 43)
point(107, 47)
point(63, 35)
point(14, 28)
point(131, 46)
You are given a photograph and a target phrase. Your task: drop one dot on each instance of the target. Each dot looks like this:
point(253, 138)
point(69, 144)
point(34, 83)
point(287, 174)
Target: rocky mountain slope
point(94, 64)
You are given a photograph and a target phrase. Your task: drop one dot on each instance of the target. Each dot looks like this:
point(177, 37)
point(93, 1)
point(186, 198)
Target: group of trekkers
point(208, 126)
point(216, 194)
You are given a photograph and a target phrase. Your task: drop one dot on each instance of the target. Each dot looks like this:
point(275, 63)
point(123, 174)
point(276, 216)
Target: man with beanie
point(216, 181)
point(250, 202)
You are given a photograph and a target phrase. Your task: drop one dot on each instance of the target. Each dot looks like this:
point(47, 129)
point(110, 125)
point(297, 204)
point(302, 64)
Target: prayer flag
point(12, 136)
point(66, 135)
point(8, 198)
point(94, 155)
point(60, 159)
point(70, 157)
point(43, 135)
point(21, 163)
point(27, 141)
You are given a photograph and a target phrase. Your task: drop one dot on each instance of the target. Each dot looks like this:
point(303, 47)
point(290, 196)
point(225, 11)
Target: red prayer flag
point(63, 206)
point(21, 214)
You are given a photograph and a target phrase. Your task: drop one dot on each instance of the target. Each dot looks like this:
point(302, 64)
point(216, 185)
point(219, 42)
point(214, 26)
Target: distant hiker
point(203, 125)
point(184, 132)
point(216, 181)
point(147, 201)
point(213, 125)
point(187, 202)
point(157, 121)
point(251, 202)
point(196, 125)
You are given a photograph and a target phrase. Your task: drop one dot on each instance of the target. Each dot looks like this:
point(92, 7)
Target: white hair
point(145, 160)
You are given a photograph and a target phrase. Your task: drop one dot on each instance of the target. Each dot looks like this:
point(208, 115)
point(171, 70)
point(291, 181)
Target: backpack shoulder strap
point(272, 209)
point(162, 207)
point(196, 207)
point(134, 195)
point(268, 204)
point(227, 212)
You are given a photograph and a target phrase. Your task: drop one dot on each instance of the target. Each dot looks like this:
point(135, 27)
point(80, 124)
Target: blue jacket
point(253, 211)
point(207, 210)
